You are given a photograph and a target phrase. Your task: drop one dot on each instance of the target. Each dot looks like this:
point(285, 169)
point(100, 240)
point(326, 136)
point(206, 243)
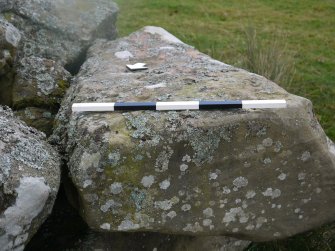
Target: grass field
point(305, 30)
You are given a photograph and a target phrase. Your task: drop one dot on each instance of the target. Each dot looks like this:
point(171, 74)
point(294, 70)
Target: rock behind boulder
point(29, 181)
point(61, 30)
point(254, 174)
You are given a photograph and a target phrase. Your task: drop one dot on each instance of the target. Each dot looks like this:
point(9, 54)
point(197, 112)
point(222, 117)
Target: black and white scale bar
point(178, 105)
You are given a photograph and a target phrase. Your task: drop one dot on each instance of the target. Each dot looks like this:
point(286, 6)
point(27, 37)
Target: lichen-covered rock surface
point(29, 181)
point(37, 91)
point(257, 174)
point(60, 30)
point(39, 82)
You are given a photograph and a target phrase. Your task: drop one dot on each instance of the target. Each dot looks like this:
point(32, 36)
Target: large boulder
point(257, 174)
point(29, 181)
point(61, 30)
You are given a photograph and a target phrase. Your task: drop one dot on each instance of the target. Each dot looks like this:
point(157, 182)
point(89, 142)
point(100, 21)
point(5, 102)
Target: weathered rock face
point(9, 41)
point(39, 82)
point(54, 35)
point(29, 181)
point(37, 90)
point(255, 174)
point(61, 30)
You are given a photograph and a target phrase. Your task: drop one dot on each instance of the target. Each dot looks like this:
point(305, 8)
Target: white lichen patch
point(124, 55)
point(166, 204)
point(305, 156)
point(105, 226)
point(273, 193)
point(128, 225)
point(187, 158)
point(240, 182)
point(207, 222)
point(171, 214)
point(250, 194)
point(318, 190)
point(110, 204)
point(89, 160)
point(267, 161)
point(183, 167)
point(267, 142)
point(87, 183)
point(116, 188)
point(186, 207)
point(212, 176)
point(164, 184)
point(193, 228)
point(32, 194)
point(282, 176)
point(225, 190)
point(234, 214)
point(147, 181)
point(208, 212)
point(297, 210)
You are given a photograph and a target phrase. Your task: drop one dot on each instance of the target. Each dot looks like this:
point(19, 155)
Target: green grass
point(305, 29)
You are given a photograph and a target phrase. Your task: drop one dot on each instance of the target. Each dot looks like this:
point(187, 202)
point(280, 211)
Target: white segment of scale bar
point(280, 103)
point(92, 107)
point(178, 105)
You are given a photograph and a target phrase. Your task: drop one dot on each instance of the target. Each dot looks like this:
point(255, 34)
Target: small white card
point(137, 66)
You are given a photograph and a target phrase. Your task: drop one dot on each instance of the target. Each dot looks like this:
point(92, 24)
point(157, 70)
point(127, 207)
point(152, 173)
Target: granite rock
point(29, 180)
point(38, 88)
point(61, 30)
point(256, 174)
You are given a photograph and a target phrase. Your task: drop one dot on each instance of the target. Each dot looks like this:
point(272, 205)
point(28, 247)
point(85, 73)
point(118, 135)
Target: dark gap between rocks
point(74, 66)
point(62, 229)
point(6, 87)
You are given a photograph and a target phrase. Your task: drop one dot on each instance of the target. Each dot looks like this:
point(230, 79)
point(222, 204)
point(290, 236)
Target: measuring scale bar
point(178, 105)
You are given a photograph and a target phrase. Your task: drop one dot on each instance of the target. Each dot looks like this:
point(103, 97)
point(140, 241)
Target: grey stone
point(29, 181)
point(61, 30)
point(38, 88)
point(257, 174)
